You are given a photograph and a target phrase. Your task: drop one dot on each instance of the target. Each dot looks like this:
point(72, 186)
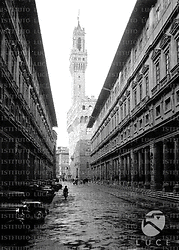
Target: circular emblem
point(153, 223)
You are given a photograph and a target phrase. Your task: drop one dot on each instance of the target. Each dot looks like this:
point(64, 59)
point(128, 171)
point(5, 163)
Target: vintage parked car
point(12, 221)
point(35, 192)
point(11, 196)
point(36, 212)
point(56, 186)
point(53, 184)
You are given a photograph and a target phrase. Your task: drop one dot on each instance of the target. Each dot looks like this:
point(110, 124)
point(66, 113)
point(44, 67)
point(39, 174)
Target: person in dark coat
point(65, 192)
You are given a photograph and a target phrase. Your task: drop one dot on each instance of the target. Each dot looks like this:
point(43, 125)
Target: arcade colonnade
point(154, 165)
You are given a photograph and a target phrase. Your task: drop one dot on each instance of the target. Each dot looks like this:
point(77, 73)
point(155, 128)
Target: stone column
point(120, 169)
point(140, 167)
point(125, 170)
point(153, 156)
point(101, 171)
point(105, 171)
point(132, 167)
point(147, 167)
point(110, 170)
point(135, 170)
point(166, 165)
point(117, 170)
point(176, 165)
point(129, 170)
point(176, 159)
point(113, 169)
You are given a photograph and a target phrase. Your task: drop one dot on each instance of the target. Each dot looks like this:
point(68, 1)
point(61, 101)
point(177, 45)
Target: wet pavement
point(93, 217)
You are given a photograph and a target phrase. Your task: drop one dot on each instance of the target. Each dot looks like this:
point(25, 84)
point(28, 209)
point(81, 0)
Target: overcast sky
point(104, 22)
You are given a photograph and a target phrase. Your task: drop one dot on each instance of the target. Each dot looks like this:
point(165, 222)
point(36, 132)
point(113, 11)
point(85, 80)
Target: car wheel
point(38, 215)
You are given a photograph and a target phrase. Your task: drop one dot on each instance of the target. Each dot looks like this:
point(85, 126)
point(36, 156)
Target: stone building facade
point(82, 106)
point(62, 163)
point(135, 131)
point(27, 114)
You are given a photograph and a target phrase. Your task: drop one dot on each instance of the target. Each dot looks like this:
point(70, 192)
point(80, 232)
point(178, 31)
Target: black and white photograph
point(89, 125)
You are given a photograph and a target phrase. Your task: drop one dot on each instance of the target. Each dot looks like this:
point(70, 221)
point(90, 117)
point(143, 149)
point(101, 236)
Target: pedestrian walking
point(65, 192)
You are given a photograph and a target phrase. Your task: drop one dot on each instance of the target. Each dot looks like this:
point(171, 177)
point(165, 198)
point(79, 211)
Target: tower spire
point(78, 17)
point(78, 63)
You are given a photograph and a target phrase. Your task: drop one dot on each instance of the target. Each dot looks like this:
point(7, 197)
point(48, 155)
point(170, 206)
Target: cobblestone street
point(93, 217)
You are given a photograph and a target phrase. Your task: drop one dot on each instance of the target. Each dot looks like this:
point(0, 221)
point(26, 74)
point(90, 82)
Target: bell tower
point(78, 63)
point(81, 108)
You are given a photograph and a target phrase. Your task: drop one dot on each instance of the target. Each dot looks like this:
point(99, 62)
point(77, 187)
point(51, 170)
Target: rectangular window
point(147, 118)
point(121, 112)
point(135, 97)
point(117, 117)
point(125, 109)
point(158, 110)
point(167, 104)
point(140, 123)
point(140, 44)
point(158, 13)
point(135, 127)
point(140, 91)
point(6, 53)
point(129, 132)
point(20, 79)
point(1, 96)
point(177, 96)
point(135, 54)
point(167, 62)
point(178, 50)
point(129, 106)
point(13, 65)
point(157, 68)
point(147, 85)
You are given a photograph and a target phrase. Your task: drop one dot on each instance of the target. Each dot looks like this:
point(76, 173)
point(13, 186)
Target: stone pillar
point(16, 157)
point(176, 159)
point(136, 171)
point(101, 173)
point(147, 167)
point(120, 169)
point(113, 169)
point(132, 168)
point(125, 170)
point(110, 170)
point(176, 165)
point(117, 170)
point(129, 169)
point(166, 171)
point(107, 171)
point(104, 171)
point(153, 156)
point(140, 167)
